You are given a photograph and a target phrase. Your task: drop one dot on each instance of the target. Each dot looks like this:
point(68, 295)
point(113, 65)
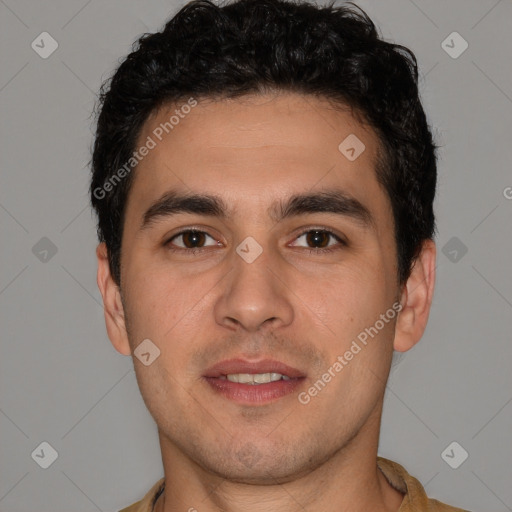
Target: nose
point(255, 295)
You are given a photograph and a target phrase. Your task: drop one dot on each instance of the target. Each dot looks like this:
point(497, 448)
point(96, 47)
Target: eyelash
point(195, 250)
point(321, 229)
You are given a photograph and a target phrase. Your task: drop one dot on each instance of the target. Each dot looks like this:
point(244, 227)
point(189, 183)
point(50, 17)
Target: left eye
point(192, 239)
point(319, 238)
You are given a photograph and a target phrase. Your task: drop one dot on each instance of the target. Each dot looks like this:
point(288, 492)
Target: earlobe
point(416, 299)
point(112, 303)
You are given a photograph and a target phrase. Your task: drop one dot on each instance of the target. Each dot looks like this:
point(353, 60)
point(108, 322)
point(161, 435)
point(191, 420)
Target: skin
point(300, 308)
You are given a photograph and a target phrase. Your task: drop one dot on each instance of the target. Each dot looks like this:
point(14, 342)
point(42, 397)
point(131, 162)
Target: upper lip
point(234, 366)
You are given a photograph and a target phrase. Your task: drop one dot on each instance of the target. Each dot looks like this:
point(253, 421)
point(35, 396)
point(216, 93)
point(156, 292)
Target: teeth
point(254, 379)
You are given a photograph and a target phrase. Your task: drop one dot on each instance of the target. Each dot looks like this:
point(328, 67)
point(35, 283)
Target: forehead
point(253, 148)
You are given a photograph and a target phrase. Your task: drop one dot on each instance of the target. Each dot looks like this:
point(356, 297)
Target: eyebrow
point(173, 203)
point(325, 201)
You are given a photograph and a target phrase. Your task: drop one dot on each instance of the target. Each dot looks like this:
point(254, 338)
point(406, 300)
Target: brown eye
point(191, 239)
point(317, 238)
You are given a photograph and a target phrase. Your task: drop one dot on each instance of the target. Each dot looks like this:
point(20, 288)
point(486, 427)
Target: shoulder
point(415, 497)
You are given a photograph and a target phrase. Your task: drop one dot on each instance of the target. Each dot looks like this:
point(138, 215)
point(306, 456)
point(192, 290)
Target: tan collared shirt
point(415, 498)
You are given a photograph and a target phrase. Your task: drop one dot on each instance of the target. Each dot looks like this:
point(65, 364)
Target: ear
point(112, 304)
point(416, 299)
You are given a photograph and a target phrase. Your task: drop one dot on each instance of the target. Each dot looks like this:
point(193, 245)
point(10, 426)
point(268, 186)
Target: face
point(252, 274)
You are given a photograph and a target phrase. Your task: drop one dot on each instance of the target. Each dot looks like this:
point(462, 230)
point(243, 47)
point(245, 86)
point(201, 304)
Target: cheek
point(170, 313)
point(158, 388)
point(358, 348)
point(163, 313)
point(347, 301)
point(353, 306)
point(159, 299)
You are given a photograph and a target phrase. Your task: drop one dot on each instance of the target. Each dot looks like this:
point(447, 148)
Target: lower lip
point(254, 394)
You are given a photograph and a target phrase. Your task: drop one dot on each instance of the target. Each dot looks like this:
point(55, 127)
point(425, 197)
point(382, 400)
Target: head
point(296, 126)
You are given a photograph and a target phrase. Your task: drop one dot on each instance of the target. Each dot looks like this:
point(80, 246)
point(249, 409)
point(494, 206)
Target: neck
point(348, 480)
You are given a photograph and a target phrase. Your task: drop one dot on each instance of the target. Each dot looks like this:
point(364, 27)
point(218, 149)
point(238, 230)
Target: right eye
point(190, 240)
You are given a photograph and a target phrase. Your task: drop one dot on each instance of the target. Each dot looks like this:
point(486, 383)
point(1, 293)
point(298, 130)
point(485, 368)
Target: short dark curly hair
point(257, 46)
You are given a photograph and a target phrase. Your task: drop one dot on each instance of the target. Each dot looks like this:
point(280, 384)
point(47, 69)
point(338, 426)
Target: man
point(263, 175)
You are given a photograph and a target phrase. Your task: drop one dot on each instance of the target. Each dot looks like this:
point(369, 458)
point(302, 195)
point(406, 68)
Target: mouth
point(253, 383)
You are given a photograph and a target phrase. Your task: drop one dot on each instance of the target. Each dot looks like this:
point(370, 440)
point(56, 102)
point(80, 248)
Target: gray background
point(61, 380)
